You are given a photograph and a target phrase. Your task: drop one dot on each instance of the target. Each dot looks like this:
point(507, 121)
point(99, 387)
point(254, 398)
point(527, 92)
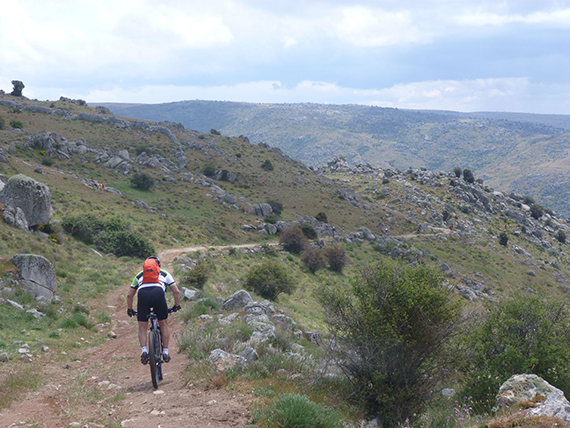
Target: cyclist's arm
point(176, 294)
point(130, 297)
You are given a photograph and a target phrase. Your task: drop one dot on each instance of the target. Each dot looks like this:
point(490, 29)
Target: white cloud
point(559, 17)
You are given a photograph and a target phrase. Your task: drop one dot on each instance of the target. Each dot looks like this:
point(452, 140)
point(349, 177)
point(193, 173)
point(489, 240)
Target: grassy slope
point(513, 152)
point(187, 215)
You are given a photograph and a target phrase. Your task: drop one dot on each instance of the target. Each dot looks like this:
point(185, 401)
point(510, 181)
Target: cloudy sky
point(465, 55)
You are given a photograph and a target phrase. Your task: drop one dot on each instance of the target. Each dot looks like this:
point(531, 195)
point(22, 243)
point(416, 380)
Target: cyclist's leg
point(165, 332)
point(143, 325)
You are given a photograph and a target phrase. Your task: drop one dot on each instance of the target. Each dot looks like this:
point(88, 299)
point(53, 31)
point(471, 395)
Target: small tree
point(267, 165)
point(16, 124)
point(197, 276)
point(293, 239)
point(503, 239)
point(536, 211)
point(561, 236)
point(522, 335)
point(209, 170)
point(309, 231)
point(314, 259)
point(336, 257)
point(276, 206)
point(142, 181)
point(269, 279)
point(322, 217)
point(393, 330)
point(468, 176)
point(214, 132)
point(18, 88)
point(457, 171)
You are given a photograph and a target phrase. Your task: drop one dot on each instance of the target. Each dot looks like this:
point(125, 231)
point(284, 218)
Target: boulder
point(549, 400)
point(224, 360)
point(37, 275)
point(237, 300)
point(31, 196)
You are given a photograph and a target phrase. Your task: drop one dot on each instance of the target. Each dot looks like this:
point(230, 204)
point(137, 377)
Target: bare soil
point(106, 385)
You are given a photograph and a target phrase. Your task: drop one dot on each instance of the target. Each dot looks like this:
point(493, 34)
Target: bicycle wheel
point(153, 339)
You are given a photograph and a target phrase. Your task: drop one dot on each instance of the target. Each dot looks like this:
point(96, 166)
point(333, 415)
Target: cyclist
point(151, 284)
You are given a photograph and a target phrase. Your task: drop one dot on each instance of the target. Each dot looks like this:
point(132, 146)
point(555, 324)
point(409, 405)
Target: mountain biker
point(151, 293)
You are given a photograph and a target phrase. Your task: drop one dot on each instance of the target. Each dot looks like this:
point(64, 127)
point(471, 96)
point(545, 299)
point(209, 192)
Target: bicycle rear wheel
point(154, 354)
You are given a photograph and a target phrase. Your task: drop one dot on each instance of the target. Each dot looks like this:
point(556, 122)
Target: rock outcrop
point(37, 275)
point(31, 197)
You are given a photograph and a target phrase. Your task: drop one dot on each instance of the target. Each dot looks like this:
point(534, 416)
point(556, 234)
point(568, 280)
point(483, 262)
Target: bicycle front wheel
point(154, 354)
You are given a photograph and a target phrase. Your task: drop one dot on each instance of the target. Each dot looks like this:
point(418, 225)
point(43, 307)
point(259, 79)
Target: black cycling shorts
point(151, 297)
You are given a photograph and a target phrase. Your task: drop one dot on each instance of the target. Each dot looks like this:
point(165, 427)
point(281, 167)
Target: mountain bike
point(155, 348)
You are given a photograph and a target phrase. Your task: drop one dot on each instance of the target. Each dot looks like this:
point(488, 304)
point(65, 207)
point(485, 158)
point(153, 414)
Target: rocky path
point(106, 386)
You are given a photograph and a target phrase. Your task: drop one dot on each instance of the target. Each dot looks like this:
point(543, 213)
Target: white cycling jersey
point(165, 280)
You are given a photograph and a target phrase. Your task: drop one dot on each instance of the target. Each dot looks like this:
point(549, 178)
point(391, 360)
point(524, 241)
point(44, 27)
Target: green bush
point(468, 175)
point(309, 231)
point(124, 243)
point(270, 218)
point(269, 279)
point(276, 206)
point(293, 239)
point(561, 236)
point(209, 170)
point(393, 329)
point(314, 259)
point(47, 161)
point(536, 211)
point(197, 276)
point(297, 411)
point(2, 123)
point(457, 171)
point(84, 227)
point(526, 335)
point(16, 124)
point(142, 181)
point(267, 165)
point(322, 217)
point(503, 239)
point(214, 132)
point(336, 257)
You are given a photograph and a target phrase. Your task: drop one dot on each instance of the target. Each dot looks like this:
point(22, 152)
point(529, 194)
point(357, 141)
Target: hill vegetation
point(516, 152)
point(456, 248)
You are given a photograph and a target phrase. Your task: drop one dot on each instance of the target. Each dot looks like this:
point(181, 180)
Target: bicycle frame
point(155, 350)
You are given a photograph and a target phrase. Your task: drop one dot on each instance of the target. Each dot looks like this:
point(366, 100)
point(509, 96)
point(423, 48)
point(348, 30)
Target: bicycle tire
point(154, 364)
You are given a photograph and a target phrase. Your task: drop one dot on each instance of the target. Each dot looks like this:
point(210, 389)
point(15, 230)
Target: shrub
point(270, 218)
point(84, 227)
point(209, 170)
point(322, 217)
point(528, 200)
point(385, 180)
point(2, 123)
point(536, 211)
point(457, 171)
point(267, 165)
point(276, 206)
point(309, 231)
point(18, 87)
point(445, 215)
point(561, 236)
point(314, 259)
point(336, 257)
point(503, 239)
point(214, 132)
point(393, 329)
point(468, 176)
point(124, 243)
point(269, 279)
point(523, 335)
point(16, 124)
point(293, 239)
point(197, 276)
point(142, 181)
point(296, 411)
point(47, 161)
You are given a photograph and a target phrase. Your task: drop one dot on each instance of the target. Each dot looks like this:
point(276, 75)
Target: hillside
point(516, 152)
point(210, 195)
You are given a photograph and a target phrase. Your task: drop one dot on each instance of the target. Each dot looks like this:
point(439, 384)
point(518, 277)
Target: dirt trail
point(78, 391)
point(168, 256)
